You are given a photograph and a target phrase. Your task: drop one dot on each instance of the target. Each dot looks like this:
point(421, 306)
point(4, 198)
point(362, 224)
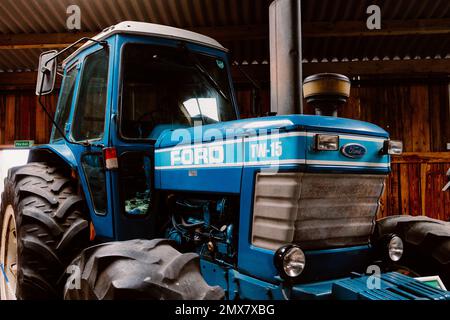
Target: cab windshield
point(167, 88)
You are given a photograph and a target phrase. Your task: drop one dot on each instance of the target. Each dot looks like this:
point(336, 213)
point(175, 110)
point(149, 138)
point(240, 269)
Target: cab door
point(88, 129)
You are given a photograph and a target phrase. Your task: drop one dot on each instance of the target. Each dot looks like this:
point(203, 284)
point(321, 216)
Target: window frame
point(150, 155)
point(75, 65)
point(75, 107)
point(172, 45)
point(99, 154)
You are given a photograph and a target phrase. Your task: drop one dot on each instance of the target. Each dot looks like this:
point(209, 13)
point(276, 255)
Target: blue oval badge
point(353, 150)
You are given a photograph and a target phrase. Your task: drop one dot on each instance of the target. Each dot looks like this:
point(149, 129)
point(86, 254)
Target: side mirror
point(46, 73)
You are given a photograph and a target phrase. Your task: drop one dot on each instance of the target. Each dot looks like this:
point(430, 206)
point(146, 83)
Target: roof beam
point(62, 40)
point(260, 72)
point(40, 40)
point(250, 32)
point(404, 68)
point(388, 28)
point(17, 80)
point(384, 67)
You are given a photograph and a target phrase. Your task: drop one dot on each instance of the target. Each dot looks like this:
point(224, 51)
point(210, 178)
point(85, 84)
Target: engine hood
point(232, 129)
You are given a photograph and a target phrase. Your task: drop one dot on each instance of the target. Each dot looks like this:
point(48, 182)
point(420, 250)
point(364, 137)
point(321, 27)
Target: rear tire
point(426, 241)
point(50, 229)
point(138, 269)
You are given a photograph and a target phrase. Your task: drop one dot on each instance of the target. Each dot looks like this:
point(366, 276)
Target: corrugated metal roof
point(32, 16)
point(341, 10)
point(49, 16)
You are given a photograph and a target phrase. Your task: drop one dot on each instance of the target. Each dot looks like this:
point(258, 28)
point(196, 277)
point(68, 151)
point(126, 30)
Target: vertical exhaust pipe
point(285, 57)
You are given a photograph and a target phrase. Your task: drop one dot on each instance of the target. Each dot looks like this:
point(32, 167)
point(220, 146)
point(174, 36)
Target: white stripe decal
point(196, 166)
point(198, 145)
point(237, 140)
point(348, 163)
point(270, 137)
point(278, 162)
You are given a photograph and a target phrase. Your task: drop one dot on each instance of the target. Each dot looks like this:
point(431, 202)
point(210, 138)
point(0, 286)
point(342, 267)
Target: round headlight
point(290, 261)
point(395, 248)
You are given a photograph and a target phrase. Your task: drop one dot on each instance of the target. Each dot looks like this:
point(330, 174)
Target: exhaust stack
point(326, 92)
point(285, 57)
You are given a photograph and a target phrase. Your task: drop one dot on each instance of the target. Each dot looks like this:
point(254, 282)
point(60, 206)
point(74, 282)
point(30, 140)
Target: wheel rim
point(8, 256)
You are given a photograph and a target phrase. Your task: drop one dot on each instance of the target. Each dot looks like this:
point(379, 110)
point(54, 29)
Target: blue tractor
point(151, 187)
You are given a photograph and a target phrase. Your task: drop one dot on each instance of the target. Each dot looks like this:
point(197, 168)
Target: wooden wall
point(415, 112)
point(22, 118)
point(415, 186)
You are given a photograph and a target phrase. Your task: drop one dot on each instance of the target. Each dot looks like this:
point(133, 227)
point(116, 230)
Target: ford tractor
point(152, 187)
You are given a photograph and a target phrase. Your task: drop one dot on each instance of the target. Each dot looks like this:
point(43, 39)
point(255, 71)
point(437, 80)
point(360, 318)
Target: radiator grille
point(315, 210)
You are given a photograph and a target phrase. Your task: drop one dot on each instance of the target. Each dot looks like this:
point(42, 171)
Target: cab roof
point(153, 30)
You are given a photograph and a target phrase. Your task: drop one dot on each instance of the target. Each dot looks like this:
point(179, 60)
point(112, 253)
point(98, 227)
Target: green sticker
point(220, 64)
point(23, 143)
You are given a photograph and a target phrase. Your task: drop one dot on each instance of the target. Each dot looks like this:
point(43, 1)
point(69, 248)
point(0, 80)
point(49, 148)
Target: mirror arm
point(103, 43)
point(47, 113)
point(47, 70)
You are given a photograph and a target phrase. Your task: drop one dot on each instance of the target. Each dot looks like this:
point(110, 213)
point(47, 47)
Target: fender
point(60, 153)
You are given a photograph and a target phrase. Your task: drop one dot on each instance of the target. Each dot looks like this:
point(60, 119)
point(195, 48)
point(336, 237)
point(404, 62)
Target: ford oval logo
point(353, 150)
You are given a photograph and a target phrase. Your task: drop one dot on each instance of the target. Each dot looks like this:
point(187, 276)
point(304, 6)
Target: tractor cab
point(120, 92)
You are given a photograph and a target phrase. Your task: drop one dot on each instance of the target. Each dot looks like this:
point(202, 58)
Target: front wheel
point(136, 270)
point(43, 227)
point(426, 241)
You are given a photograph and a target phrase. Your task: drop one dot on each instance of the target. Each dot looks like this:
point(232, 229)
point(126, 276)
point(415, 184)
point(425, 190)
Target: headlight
point(325, 142)
point(290, 261)
point(392, 147)
point(395, 248)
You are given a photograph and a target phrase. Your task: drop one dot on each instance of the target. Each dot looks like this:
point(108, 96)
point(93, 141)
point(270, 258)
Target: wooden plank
point(422, 157)
point(61, 40)
point(420, 118)
point(404, 113)
point(404, 189)
point(2, 116)
point(260, 72)
point(438, 183)
point(437, 114)
point(41, 123)
point(17, 79)
point(415, 205)
point(424, 168)
point(385, 67)
point(394, 191)
point(429, 203)
point(38, 40)
point(10, 119)
point(446, 198)
point(251, 32)
point(389, 28)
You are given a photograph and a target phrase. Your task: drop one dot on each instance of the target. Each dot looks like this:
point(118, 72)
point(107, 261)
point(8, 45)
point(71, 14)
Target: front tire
point(138, 270)
point(426, 241)
point(43, 228)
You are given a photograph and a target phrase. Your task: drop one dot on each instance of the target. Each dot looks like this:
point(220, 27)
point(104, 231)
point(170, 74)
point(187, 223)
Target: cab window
point(65, 102)
point(165, 88)
point(89, 119)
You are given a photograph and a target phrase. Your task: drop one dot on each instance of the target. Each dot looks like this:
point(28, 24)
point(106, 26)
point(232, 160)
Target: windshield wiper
point(206, 74)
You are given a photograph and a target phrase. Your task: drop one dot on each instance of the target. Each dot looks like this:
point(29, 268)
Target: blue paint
point(248, 146)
